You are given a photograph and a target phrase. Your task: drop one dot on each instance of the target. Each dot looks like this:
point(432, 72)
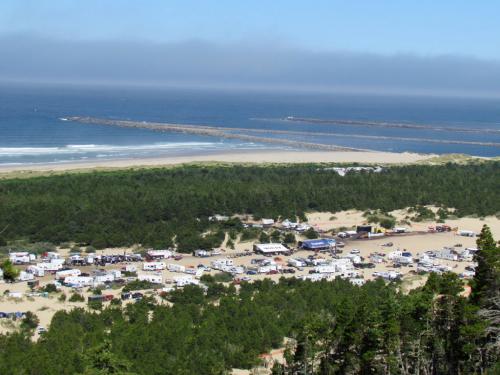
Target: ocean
point(31, 130)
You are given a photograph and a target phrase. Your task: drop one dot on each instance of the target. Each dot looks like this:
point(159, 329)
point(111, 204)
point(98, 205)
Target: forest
point(152, 206)
point(331, 328)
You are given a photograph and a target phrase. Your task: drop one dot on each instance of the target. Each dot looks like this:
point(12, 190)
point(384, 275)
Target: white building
point(270, 249)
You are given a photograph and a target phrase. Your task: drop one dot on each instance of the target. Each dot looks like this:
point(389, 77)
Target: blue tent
point(318, 244)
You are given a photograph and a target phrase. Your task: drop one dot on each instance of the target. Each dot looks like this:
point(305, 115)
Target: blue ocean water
point(31, 130)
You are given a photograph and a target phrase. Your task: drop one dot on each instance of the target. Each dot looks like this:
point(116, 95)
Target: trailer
point(172, 267)
point(466, 233)
point(153, 266)
point(218, 264)
point(185, 280)
point(78, 281)
point(63, 274)
point(154, 278)
point(159, 254)
point(325, 269)
point(296, 263)
point(25, 276)
point(36, 271)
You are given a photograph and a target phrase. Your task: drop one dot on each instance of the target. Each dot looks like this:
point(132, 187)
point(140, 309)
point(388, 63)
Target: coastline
point(250, 156)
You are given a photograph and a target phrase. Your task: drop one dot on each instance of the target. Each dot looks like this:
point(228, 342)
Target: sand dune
point(261, 157)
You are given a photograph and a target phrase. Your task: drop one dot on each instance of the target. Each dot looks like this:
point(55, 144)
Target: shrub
point(95, 305)
point(76, 297)
point(50, 288)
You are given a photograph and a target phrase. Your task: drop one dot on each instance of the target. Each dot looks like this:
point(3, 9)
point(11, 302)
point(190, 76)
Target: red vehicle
point(107, 297)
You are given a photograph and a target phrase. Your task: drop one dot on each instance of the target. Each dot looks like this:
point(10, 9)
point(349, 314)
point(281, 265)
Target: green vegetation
point(76, 297)
point(335, 328)
point(10, 273)
point(139, 285)
point(29, 322)
point(385, 220)
point(49, 288)
point(154, 206)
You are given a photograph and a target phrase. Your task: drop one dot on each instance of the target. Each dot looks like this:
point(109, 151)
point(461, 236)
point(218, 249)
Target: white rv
point(153, 266)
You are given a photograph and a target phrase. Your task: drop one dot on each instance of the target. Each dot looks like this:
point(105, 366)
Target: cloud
point(30, 58)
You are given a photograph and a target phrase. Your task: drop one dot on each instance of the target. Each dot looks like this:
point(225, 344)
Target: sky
point(446, 46)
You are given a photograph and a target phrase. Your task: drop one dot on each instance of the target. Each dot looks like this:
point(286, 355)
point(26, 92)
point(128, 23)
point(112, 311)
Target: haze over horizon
point(431, 49)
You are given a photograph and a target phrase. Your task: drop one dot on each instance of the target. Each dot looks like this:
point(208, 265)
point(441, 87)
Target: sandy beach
point(261, 157)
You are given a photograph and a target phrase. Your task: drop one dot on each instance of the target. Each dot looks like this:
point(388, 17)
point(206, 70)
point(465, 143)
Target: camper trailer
point(153, 266)
point(155, 278)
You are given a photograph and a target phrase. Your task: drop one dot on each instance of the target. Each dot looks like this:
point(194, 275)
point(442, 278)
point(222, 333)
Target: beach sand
point(261, 157)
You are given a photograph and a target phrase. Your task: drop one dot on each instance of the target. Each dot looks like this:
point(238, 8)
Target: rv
point(153, 266)
point(466, 233)
point(155, 278)
point(63, 274)
point(78, 281)
point(176, 268)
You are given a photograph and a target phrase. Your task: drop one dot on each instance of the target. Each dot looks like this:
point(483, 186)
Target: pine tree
point(487, 270)
point(486, 295)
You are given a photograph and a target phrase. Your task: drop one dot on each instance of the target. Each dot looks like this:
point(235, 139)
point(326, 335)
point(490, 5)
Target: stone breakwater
point(212, 131)
point(246, 134)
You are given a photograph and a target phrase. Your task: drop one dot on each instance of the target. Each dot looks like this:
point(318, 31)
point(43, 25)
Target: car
point(137, 296)
point(273, 272)
point(40, 330)
point(355, 251)
point(388, 244)
point(251, 272)
point(126, 295)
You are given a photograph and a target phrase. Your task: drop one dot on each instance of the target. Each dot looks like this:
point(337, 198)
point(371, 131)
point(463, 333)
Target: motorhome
point(154, 278)
point(153, 266)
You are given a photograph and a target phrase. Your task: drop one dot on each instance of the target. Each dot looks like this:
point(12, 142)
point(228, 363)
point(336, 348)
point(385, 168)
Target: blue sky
point(438, 47)
point(422, 27)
